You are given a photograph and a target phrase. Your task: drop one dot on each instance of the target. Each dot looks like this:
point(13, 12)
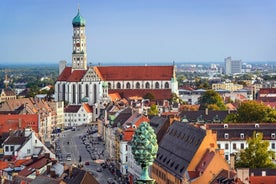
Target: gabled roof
point(65, 74)
point(157, 122)
point(224, 175)
point(80, 176)
point(159, 94)
point(45, 180)
point(87, 108)
point(205, 160)
point(205, 116)
point(34, 164)
point(17, 121)
point(76, 76)
point(114, 96)
point(12, 140)
point(72, 108)
point(186, 140)
point(234, 130)
point(113, 73)
point(8, 92)
point(262, 179)
point(122, 117)
point(69, 76)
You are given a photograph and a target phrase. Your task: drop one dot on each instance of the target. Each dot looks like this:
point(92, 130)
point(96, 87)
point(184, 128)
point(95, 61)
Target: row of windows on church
point(86, 91)
point(138, 85)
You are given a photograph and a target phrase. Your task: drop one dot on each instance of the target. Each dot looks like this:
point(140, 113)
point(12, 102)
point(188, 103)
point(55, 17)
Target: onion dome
point(105, 84)
point(78, 20)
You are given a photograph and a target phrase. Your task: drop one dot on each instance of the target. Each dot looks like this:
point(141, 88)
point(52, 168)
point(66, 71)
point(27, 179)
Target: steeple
point(79, 43)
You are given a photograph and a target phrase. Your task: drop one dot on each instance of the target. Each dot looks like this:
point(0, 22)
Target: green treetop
point(256, 155)
point(212, 100)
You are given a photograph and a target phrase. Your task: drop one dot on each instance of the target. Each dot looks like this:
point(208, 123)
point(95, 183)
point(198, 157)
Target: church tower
point(79, 43)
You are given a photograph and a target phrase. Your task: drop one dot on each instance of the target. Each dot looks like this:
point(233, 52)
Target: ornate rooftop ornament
point(144, 149)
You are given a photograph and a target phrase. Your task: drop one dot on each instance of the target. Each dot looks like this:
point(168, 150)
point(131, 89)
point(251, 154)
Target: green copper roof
point(78, 20)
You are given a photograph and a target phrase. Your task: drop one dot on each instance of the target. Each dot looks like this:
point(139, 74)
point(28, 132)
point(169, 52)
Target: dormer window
point(225, 126)
point(242, 135)
point(226, 135)
point(257, 125)
point(273, 136)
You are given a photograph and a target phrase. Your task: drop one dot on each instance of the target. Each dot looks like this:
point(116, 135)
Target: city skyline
point(139, 31)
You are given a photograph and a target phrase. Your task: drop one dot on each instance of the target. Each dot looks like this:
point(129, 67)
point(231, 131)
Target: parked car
point(99, 169)
point(68, 157)
point(111, 181)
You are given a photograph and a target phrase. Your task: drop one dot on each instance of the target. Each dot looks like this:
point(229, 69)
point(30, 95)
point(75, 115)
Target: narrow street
point(84, 149)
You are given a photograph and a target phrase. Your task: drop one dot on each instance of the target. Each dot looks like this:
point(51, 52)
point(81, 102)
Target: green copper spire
point(144, 149)
point(78, 20)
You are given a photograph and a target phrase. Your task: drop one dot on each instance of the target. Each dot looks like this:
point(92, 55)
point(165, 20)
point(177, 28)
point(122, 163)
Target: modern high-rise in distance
point(232, 66)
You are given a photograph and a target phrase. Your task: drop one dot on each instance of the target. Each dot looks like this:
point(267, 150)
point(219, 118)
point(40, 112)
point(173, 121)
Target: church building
point(80, 83)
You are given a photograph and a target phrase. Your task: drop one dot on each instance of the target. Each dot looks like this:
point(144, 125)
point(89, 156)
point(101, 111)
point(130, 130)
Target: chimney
point(206, 111)
point(47, 155)
point(19, 123)
point(232, 161)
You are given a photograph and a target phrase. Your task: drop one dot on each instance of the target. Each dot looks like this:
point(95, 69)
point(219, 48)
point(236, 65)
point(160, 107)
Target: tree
point(153, 110)
point(212, 100)
point(253, 112)
point(256, 155)
point(149, 96)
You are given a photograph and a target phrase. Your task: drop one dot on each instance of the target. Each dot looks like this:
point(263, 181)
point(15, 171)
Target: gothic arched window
point(80, 91)
point(128, 85)
point(74, 93)
point(95, 93)
point(63, 92)
point(86, 90)
point(118, 85)
point(166, 85)
point(137, 85)
point(157, 85)
point(147, 85)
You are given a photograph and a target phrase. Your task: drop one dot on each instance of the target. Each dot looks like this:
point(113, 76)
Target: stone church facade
point(80, 83)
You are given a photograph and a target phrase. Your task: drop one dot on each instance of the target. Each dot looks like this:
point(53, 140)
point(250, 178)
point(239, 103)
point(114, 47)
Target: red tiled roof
point(159, 94)
point(113, 73)
point(12, 122)
point(98, 72)
point(267, 90)
point(72, 108)
point(128, 134)
point(204, 162)
point(69, 76)
point(87, 108)
point(9, 92)
point(114, 96)
point(262, 179)
point(35, 165)
point(193, 174)
point(65, 74)
point(3, 165)
point(76, 75)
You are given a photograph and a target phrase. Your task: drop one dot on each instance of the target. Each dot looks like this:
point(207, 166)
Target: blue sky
point(146, 31)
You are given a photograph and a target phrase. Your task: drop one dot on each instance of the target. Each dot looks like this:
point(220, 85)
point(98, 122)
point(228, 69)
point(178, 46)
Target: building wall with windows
point(232, 137)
